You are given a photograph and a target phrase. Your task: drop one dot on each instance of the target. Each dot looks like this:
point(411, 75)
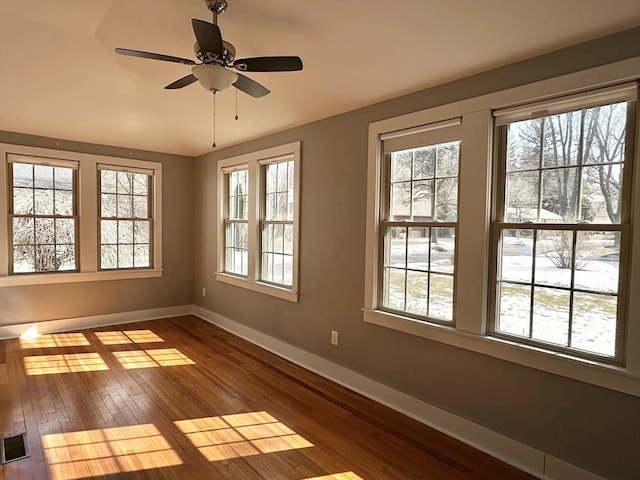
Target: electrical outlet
point(334, 337)
point(204, 292)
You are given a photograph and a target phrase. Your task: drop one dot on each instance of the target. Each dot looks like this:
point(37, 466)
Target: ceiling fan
point(218, 59)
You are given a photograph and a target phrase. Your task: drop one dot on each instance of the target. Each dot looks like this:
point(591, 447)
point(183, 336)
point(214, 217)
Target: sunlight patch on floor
point(240, 435)
point(54, 340)
point(128, 336)
point(67, 363)
point(162, 357)
point(107, 451)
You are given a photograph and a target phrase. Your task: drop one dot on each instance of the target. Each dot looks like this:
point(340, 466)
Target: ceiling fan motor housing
point(214, 77)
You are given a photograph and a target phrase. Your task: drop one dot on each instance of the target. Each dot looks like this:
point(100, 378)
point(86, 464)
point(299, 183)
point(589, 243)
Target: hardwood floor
point(181, 399)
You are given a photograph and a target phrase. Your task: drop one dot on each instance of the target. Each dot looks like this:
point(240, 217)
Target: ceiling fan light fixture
point(214, 77)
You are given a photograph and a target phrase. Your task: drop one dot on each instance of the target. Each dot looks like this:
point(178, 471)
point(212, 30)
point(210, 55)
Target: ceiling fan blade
point(268, 64)
point(182, 82)
point(154, 56)
point(208, 36)
point(250, 87)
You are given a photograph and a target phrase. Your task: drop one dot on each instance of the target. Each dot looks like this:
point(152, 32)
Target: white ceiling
point(61, 78)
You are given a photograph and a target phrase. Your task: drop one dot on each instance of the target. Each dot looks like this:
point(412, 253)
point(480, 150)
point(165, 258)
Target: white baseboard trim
point(510, 451)
point(80, 323)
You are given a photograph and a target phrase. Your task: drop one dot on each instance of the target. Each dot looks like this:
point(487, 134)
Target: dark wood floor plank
point(178, 398)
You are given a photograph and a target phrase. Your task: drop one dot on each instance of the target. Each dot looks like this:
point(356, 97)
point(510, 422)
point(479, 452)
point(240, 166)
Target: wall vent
point(13, 448)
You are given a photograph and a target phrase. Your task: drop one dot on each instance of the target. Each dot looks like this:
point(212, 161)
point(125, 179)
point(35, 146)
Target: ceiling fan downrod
point(216, 7)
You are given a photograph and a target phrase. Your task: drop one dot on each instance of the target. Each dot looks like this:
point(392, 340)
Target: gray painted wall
point(175, 287)
point(588, 426)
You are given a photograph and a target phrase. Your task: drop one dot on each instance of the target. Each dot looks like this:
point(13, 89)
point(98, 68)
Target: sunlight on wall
point(107, 451)
point(162, 357)
point(128, 336)
point(54, 340)
point(240, 435)
point(67, 363)
point(337, 476)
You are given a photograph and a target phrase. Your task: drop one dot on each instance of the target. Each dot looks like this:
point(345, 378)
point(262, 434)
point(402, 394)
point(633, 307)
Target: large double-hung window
point(258, 210)
point(563, 217)
point(419, 221)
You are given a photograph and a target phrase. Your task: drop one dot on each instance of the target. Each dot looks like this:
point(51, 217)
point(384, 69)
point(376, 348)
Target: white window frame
point(87, 198)
point(472, 288)
point(255, 162)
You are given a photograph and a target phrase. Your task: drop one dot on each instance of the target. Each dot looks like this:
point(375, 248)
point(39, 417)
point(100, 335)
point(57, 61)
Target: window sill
point(73, 277)
point(596, 373)
point(265, 288)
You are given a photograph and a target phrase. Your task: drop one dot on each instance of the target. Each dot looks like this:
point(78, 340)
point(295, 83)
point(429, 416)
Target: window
point(69, 217)
point(418, 224)
point(562, 228)
point(507, 224)
point(236, 259)
point(258, 221)
point(43, 215)
point(125, 218)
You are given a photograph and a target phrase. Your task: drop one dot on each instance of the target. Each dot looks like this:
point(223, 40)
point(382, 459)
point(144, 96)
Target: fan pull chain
point(236, 103)
point(214, 120)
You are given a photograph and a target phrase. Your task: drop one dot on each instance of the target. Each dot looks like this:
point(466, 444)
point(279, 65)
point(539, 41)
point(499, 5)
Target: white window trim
point(88, 218)
point(254, 161)
point(473, 235)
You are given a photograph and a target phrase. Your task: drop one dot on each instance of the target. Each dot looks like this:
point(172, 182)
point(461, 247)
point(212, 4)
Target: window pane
point(601, 202)
point(65, 231)
point(605, 132)
point(598, 261)
point(443, 244)
point(523, 145)
point(554, 257)
point(43, 202)
point(140, 206)
point(46, 259)
point(141, 232)
point(560, 195)
point(396, 247)
point(561, 139)
point(108, 205)
point(63, 178)
point(521, 198)
point(141, 256)
point(125, 256)
point(418, 249)
point(401, 166)
point(109, 232)
point(125, 206)
point(107, 181)
point(24, 259)
point(288, 239)
point(417, 292)
point(125, 183)
point(23, 231)
point(23, 201)
point(44, 231)
point(43, 176)
point(108, 256)
point(400, 201)
point(441, 296)
point(66, 257)
point(594, 323)
point(22, 175)
point(447, 159)
point(515, 304)
point(516, 260)
point(447, 199)
point(140, 184)
point(422, 208)
point(423, 162)
point(63, 203)
point(551, 315)
point(394, 288)
point(125, 232)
